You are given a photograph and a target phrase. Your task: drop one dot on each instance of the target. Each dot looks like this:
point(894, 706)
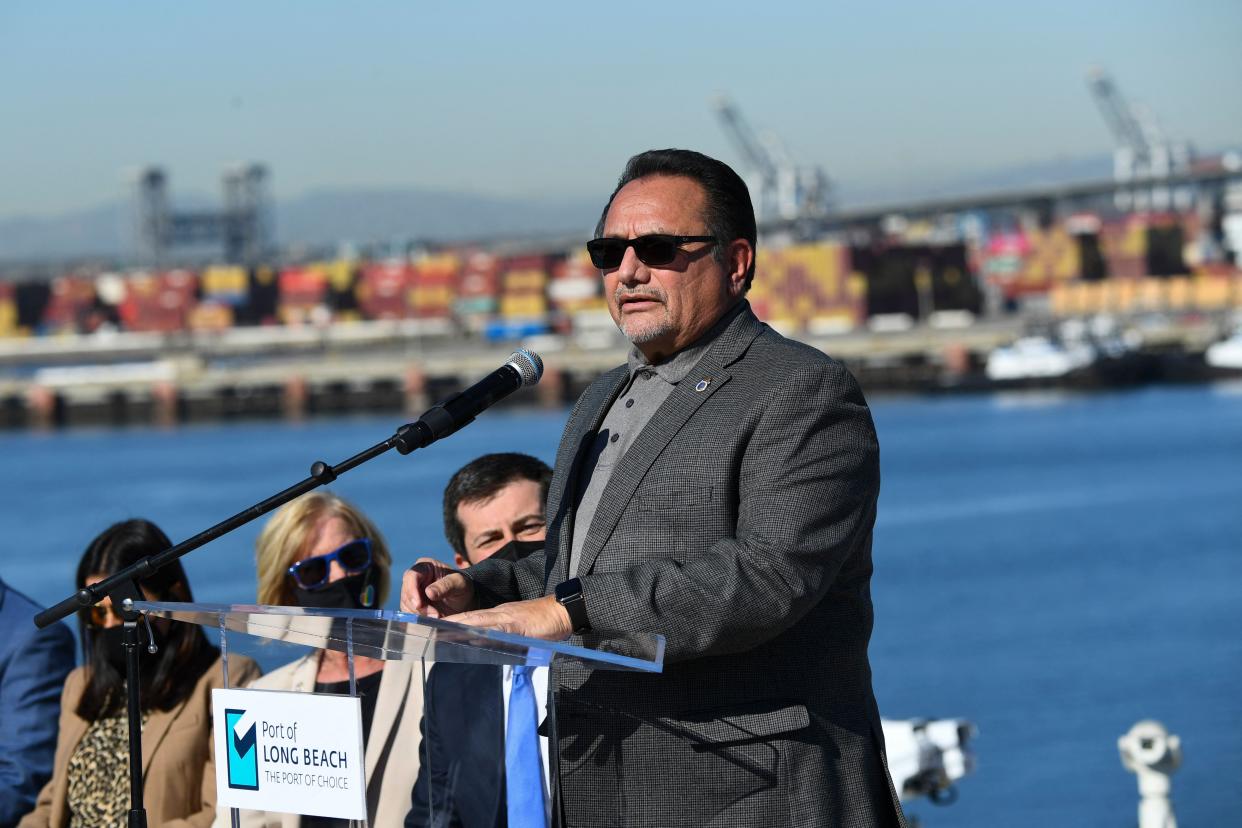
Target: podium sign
point(301, 753)
point(289, 752)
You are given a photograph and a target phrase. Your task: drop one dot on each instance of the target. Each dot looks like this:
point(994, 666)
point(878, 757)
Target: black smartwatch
point(569, 596)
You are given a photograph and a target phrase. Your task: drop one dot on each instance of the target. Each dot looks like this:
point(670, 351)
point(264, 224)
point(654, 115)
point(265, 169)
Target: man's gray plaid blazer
point(738, 525)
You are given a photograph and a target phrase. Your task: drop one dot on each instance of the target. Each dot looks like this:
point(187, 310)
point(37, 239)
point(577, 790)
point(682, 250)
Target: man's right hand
point(435, 590)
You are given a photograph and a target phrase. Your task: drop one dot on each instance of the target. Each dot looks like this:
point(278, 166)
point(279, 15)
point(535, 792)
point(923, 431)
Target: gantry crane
point(1142, 151)
point(781, 189)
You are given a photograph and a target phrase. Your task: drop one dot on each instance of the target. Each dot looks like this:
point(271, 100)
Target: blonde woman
point(320, 551)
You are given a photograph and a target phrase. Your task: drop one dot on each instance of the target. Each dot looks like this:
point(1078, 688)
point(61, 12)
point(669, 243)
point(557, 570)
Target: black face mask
point(350, 592)
point(515, 550)
point(109, 644)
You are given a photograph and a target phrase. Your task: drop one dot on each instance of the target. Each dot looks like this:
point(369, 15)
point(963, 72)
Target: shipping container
point(480, 276)
point(302, 286)
point(341, 294)
point(917, 281)
point(1147, 244)
point(158, 302)
point(575, 285)
point(499, 330)
point(211, 316)
point(383, 290)
point(226, 284)
point(8, 309)
point(262, 297)
point(71, 305)
point(805, 286)
point(32, 299)
point(1053, 256)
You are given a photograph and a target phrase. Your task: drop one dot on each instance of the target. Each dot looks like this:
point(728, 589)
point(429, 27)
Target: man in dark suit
point(720, 489)
point(493, 506)
point(33, 667)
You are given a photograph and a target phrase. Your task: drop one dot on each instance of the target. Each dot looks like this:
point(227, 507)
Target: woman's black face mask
point(351, 592)
point(515, 550)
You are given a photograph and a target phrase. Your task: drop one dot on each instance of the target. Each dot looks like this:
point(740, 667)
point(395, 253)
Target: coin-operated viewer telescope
point(1149, 751)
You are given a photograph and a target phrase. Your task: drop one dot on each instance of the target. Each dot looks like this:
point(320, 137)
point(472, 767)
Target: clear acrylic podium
point(396, 636)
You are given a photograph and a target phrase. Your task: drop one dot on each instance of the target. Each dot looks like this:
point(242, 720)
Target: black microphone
point(523, 368)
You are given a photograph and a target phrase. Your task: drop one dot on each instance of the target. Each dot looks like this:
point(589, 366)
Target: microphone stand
point(122, 586)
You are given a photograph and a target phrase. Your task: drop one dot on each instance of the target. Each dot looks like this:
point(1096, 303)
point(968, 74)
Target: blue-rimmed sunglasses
point(312, 573)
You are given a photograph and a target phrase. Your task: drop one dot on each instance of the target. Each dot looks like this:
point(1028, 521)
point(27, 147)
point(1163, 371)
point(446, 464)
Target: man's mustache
point(654, 295)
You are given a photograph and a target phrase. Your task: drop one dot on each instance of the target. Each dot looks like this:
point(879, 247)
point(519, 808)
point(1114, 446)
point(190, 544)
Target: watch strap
point(569, 596)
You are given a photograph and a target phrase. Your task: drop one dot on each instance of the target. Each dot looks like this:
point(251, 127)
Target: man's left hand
point(542, 618)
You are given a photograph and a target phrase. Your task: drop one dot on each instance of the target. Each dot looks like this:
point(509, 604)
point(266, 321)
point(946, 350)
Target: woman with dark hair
point(90, 778)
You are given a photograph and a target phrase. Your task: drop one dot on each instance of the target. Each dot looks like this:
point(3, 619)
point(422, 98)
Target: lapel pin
point(702, 384)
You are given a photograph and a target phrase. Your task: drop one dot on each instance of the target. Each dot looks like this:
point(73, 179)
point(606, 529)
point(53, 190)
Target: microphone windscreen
point(528, 364)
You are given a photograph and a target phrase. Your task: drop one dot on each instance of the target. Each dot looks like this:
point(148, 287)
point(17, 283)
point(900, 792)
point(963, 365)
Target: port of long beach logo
point(243, 749)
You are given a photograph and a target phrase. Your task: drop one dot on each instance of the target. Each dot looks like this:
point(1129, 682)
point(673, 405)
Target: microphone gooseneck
point(522, 368)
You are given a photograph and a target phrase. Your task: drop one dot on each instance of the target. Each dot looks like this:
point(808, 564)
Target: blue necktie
point(523, 764)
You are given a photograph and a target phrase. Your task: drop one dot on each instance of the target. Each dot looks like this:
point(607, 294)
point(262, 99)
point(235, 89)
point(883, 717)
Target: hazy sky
point(549, 98)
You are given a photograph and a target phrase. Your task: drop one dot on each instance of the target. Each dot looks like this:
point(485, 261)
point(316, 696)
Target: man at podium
point(719, 489)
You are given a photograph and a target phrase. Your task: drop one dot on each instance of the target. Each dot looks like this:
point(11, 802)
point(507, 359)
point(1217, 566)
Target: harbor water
point(1050, 566)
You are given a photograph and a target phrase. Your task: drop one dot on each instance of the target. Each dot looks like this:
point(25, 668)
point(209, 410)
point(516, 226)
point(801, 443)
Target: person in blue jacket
point(33, 667)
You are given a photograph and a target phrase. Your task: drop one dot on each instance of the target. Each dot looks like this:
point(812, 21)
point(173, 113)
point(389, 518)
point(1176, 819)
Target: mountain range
point(322, 219)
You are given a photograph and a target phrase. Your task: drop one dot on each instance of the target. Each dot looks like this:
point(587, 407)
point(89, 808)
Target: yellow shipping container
point(1110, 296)
point(1151, 294)
point(823, 264)
point(8, 318)
point(224, 280)
point(592, 303)
point(804, 306)
point(524, 306)
point(438, 263)
point(1179, 293)
point(799, 282)
point(1212, 292)
point(1053, 257)
point(1127, 294)
point(1134, 243)
point(425, 296)
point(524, 280)
point(339, 273)
point(786, 324)
point(210, 316)
point(1067, 299)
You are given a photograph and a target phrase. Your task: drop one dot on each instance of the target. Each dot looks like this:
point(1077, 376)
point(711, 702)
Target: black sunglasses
point(654, 250)
point(312, 573)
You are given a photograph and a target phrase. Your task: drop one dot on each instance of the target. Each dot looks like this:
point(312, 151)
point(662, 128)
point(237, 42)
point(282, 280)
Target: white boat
point(1037, 358)
point(1227, 353)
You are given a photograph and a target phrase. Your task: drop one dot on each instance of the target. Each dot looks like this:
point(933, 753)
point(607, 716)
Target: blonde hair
point(286, 536)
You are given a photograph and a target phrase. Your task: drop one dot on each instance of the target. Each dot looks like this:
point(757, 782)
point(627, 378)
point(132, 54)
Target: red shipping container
point(161, 302)
point(480, 276)
point(440, 269)
point(69, 308)
point(301, 287)
point(382, 290)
